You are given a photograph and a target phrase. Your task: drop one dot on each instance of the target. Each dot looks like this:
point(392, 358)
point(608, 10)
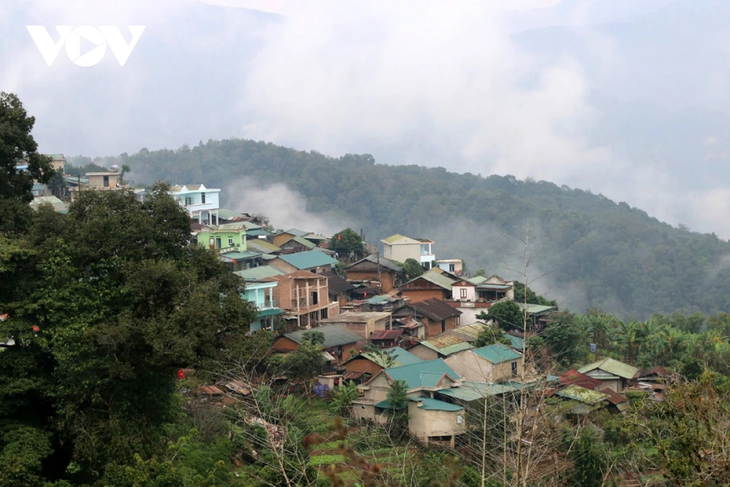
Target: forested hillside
point(590, 250)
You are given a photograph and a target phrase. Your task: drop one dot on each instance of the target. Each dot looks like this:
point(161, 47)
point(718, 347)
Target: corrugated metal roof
point(422, 374)
point(613, 397)
point(435, 278)
point(581, 394)
point(404, 357)
point(574, 377)
point(429, 404)
point(260, 272)
point(353, 317)
point(263, 246)
point(334, 335)
point(515, 342)
point(443, 341)
point(307, 260)
point(226, 214)
point(302, 241)
point(436, 309)
point(296, 232)
point(611, 366)
point(497, 353)
point(534, 308)
point(386, 334)
point(249, 254)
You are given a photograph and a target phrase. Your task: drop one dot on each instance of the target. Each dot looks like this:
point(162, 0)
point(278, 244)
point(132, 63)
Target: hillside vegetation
point(591, 251)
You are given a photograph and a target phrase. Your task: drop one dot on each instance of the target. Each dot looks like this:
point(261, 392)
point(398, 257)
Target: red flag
point(339, 237)
point(181, 374)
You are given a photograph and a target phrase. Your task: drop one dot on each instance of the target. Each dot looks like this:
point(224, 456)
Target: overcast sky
point(625, 98)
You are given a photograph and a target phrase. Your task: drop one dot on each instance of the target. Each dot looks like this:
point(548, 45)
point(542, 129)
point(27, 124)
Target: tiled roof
point(436, 309)
point(435, 405)
point(497, 353)
point(422, 374)
point(334, 335)
point(611, 366)
point(308, 260)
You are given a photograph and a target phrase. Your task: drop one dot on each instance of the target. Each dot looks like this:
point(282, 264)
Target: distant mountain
point(590, 251)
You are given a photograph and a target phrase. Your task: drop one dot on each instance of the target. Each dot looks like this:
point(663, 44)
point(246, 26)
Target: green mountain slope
point(590, 250)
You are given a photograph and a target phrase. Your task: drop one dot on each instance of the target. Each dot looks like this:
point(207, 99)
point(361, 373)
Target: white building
point(201, 203)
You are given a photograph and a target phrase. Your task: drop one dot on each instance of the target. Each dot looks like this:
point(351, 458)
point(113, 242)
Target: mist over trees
point(592, 251)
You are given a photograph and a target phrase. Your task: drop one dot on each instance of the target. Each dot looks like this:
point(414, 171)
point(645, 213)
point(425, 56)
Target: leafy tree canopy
point(507, 314)
point(411, 269)
point(347, 241)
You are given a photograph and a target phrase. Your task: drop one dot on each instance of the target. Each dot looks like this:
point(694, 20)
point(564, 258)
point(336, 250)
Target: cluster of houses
point(380, 326)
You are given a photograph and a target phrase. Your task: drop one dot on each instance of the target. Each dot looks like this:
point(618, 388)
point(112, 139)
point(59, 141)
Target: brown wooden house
point(437, 315)
point(338, 341)
point(372, 268)
point(430, 284)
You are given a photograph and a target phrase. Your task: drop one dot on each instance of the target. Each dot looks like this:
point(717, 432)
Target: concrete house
point(455, 266)
point(487, 364)
point(430, 420)
point(314, 260)
point(201, 203)
point(338, 342)
point(371, 268)
point(261, 294)
point(304, 297)
point(613, 374)
point(283, 237)
point(430, 284)
point(442, 346)
point(226, 237)
point(364, 324)
point(400, 248)
point(434, 313)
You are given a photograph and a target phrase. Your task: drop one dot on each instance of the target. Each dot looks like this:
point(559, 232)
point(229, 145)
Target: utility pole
point(380, 283)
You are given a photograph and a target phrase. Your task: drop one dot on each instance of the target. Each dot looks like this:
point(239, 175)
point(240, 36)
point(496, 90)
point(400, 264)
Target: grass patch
point(330, 445)
point(326, 460)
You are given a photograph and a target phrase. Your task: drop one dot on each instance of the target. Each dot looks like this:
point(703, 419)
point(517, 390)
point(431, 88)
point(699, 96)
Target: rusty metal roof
point(386, 334)
point(436, 309)
point(574, 377)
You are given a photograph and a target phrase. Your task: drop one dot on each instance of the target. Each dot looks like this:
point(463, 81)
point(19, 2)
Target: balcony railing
point(269, 304)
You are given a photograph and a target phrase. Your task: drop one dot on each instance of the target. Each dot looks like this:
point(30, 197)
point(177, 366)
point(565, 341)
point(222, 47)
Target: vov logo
point(100, 37)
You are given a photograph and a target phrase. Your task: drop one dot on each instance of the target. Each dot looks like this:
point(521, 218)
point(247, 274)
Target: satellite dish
point(114, 168)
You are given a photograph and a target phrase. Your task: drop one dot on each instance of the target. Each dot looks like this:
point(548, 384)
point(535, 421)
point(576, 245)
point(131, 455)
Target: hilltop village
point(397, 314)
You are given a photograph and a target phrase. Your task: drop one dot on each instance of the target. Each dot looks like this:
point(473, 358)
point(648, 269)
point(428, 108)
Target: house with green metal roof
point(298, 244)
point(613, 374)
point(260, 272)
point(430, 284)
point(430, 419)
point(364, 365)
point(492, 363)
point(261, 245)
point(313, 260)
point(223, 238)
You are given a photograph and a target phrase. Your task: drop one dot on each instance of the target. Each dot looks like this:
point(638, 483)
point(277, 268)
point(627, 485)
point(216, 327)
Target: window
point(188, 201)
point(514, 368)
point(202, 198)
point(443, 326)
point(315, 297)
point(230, 241)
point(452, 268)
point(462, 293)
point(459, 419)
point(458, 321)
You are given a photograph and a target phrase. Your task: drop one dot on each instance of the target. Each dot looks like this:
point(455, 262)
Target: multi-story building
point(201, 203)
point(304, 297)
point(400, 248)
point(261, 294)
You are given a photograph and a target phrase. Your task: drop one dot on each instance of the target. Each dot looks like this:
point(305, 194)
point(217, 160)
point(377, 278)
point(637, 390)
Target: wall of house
point(343, 352)
point(239, 239)
point(614, 385)
point(387, 279)
point(286, 292)
point(281, 239)
point(423, 352)
point(282, 266)
point(426, 423)
point(401, 252)
point(417, 295)
point(284, 345)
point(362, 365)
point(471, 295)
point(434, 328)
point(470, 366)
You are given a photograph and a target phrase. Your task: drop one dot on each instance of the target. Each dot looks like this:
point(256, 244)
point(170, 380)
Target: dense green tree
point(523, 294)
point(489, 335)
point(411, 269)
point(588, 461)
point(306, 362)
point(507, 314)
point(347, 242)
point(17, 146)
point(566, 338)
point(104, 304)
point(398, 399)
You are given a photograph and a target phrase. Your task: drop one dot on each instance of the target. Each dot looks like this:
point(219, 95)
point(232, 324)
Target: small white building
point(450, 265)
point(201, 203)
